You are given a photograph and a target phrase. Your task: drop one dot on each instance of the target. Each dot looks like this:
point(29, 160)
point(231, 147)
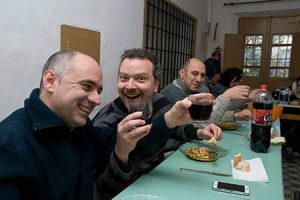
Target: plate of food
point(203, 151)
point(228, 125)
point(201, 154)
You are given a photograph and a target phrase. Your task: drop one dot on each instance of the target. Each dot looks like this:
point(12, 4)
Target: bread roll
point(244, 166)
point(236, 159)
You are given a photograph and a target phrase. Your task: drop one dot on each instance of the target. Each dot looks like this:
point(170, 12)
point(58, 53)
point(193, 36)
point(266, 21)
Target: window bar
point(169, 44)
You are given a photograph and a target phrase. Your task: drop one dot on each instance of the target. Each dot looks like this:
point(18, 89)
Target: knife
point(204, 172)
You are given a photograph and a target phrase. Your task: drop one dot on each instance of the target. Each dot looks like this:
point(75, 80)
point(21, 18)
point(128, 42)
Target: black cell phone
point(231, 188)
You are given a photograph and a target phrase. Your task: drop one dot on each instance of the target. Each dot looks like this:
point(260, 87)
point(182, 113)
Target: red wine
point(200, 112)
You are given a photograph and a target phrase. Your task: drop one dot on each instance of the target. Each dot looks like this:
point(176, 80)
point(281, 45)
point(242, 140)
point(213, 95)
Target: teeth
point(84, 108)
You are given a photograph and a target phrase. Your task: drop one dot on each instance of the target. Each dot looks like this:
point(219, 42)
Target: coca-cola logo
point(268, 117)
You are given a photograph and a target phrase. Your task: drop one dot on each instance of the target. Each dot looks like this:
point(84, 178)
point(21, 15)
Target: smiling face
point(136, 81)
point(193, 75)
point(74, 95)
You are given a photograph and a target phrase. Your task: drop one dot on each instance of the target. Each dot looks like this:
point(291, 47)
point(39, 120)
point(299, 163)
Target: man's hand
point(179, 113)
point(295, 91)
point(243, 115)
point(237, 92)
point(130, 130)
point(210, 131)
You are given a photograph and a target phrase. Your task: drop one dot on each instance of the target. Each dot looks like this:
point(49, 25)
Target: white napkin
point(257, 171)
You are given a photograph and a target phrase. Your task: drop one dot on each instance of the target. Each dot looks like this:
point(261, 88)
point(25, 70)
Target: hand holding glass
point(201, 109)
point(144, 106)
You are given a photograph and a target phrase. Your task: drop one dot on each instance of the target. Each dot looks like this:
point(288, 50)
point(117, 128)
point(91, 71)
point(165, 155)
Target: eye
point(87, 87)
point(195, 73)
point(141, 78)
point(123, 78)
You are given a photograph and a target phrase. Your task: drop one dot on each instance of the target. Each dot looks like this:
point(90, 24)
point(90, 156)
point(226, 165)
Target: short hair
point(228, 75)
point(213, 67)
point(143, 54)
point(186, 65)
point(59, 63)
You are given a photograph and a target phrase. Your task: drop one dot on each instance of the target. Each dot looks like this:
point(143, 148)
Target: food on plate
point(227, 125)
point(212, 141)
point(241, 164)
point(200, 153)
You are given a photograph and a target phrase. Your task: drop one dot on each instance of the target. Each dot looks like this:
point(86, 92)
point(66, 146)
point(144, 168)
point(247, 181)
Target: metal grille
point(170, 34)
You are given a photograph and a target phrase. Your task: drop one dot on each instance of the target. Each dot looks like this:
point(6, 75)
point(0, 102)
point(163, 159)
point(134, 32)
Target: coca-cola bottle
point(261, 120)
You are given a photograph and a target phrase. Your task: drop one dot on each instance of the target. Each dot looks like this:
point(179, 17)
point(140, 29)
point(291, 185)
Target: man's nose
point(130, 84)
point(94, 98)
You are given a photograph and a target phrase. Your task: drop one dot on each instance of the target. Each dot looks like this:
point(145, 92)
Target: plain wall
point(30, 33)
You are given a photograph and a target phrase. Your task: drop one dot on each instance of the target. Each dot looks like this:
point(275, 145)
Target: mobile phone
point(231, 188)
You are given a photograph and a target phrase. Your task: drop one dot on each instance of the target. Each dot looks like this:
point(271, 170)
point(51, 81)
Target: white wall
point(30, 33)
point(227, 16)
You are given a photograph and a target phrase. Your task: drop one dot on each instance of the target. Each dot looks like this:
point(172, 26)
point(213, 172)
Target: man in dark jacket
point(138, 79)
point(49, 149)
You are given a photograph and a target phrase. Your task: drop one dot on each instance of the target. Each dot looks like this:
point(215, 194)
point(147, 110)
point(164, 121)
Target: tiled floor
point(291, 174)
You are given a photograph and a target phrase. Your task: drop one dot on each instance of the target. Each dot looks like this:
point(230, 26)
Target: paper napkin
point(257, 172)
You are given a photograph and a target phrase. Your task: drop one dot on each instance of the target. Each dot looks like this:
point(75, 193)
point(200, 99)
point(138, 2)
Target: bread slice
point(244, 166)
point(240, 164)
point(212, 141)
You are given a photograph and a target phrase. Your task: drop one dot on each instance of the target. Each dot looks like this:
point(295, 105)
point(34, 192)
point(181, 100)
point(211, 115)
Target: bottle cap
point(263, 86)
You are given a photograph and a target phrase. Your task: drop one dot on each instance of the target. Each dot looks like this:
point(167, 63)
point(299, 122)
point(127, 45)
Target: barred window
point(170, 34)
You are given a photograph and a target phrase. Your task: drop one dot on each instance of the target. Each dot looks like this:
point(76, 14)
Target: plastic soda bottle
point(261, 120)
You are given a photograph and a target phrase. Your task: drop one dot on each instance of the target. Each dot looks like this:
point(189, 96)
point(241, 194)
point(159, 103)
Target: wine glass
point(201, 109)
point(145, 106)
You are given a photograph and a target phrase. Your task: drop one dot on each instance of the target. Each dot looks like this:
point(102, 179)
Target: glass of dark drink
point(145, 106)
point(201, 109)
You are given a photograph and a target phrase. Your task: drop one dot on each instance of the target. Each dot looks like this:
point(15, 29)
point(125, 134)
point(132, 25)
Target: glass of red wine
point(201, 109)
point(145, 106)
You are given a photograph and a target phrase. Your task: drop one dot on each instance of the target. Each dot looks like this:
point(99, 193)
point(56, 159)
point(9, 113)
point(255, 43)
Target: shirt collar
point(41, 115)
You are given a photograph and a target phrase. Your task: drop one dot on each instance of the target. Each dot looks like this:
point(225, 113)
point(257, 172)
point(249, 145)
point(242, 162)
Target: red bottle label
point(262, 117)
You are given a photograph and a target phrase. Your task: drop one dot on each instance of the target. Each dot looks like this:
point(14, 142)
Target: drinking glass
point(145, 106)
point(284, 96)
point(200, 110)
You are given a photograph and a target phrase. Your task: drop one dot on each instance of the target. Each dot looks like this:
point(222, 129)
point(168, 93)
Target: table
point(168, 182)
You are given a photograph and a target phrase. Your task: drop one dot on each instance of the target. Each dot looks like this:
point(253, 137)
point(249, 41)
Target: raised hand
point(130, 130)
point(237, 92)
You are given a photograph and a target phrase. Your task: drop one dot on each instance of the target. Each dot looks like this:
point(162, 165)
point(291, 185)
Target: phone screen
point(229, 186)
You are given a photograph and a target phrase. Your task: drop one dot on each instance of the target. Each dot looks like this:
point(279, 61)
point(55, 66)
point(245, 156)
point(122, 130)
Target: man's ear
point(156, 85)
point(49, 80)
point(181, 73)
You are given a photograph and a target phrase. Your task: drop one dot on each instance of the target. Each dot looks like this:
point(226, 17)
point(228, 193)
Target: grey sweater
point(176, 91)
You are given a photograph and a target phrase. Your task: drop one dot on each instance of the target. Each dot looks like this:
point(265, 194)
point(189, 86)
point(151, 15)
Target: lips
point(132, 96)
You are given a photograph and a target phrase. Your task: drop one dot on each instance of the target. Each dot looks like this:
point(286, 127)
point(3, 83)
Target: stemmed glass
point(201, 109)
point(145, 106)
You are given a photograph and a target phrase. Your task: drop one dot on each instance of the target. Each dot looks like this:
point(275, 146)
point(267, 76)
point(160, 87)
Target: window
point(252, 55)
point(170, 34)
point(281, 55)
point(266, 48)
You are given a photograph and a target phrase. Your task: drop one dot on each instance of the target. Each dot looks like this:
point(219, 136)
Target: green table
point(168, 182)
